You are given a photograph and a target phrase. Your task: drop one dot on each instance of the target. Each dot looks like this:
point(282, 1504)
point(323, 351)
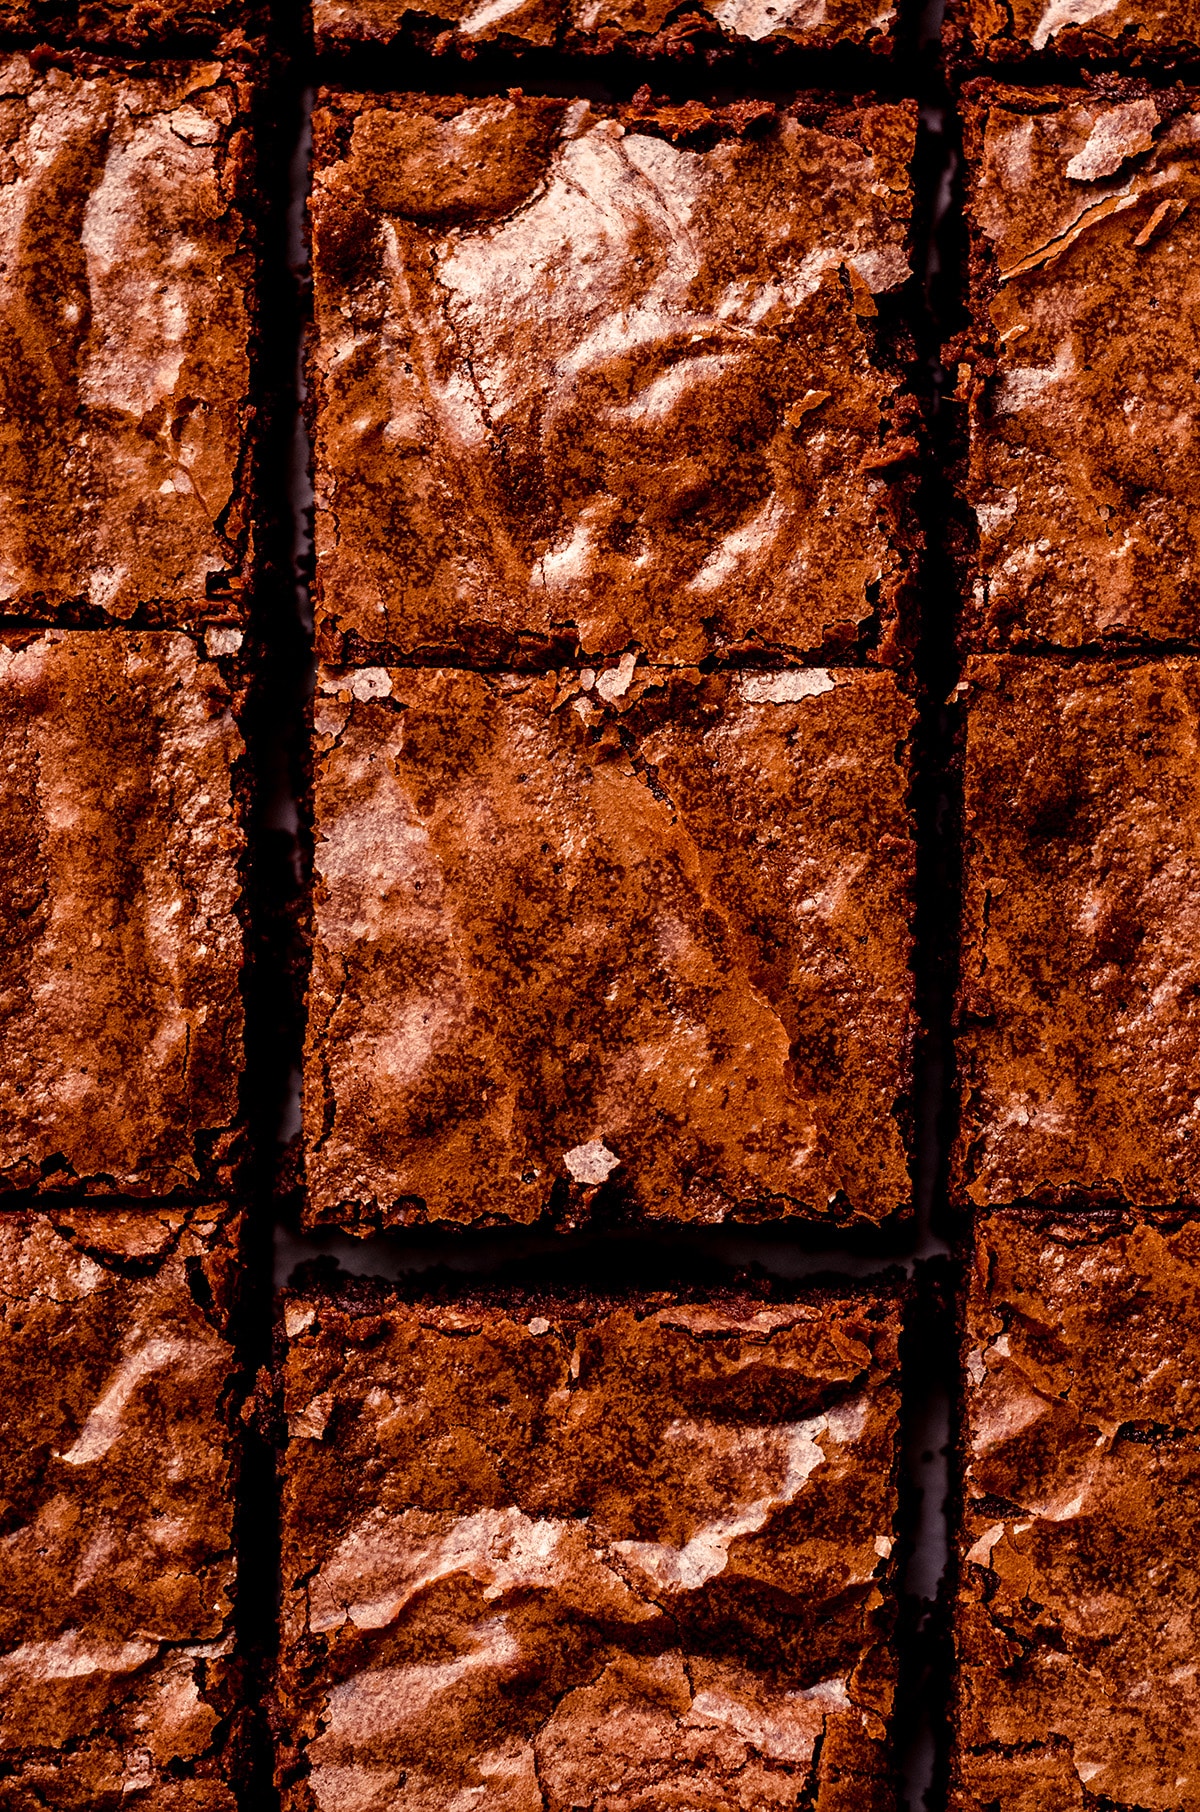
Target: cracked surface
point(1014, 31)
point(125, 332)
point(120, 1000)
point(637, 925)
point(1078, 1598)
point(647, 26)
point(135, 23)
point(606, 380)
point(1085, 435)
point(587, 1556)
point(117, 1672)
point(1079, 1002)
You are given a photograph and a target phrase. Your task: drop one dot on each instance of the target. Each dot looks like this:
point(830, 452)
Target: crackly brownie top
point(125, 330)
point(1134, 30)
point(120, 1010)
point(606, 378)
point(634, 925)
point(576, 1552)
point(1078, 1601)
point(1079, 1034)
point(603, 25)
point(116, 1508)
point(1085, 439)
point(138, 24)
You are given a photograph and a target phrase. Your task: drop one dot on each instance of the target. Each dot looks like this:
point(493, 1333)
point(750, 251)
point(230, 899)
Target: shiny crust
point(1128, 32)
point(596, 380)
point(646, 926)
point(1079, 1034)
point(1081, 379)
point(586, 1552)
point(126, 338)
point(118, 1677)
point(1077, 1599)
point(120, 847)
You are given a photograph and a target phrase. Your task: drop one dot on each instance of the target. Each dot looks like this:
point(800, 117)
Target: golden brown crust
point(586, 379)
point(117, 1472)
point(587, 1552)
point(126, 331)
point(120, 850)
point(642, 925)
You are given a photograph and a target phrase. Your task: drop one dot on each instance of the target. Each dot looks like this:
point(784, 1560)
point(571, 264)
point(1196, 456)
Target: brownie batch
point(621, 716)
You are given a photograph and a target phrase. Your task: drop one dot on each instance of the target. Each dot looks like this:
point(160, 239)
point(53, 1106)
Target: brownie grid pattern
point(641, 567)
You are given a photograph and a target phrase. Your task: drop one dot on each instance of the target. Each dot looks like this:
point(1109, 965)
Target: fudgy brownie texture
point(649, 27)
point(1079, 1007)
point(120, 946)
point(607, 379)
point(1082, 378)
point(555, 1553)
point(126, 335)
point(648, 927)
point(137, 24)
point(118, 1675)
point(1078, 1598)
point(1126, 31)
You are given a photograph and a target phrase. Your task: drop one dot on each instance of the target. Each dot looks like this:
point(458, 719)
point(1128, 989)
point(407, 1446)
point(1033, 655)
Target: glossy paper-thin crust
point(1126, 33)
point(587, 380)
point(573, 1551)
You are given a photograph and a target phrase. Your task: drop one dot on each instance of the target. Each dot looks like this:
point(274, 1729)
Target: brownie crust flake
point(1084, 471)
point(1078, 1598)
point(1079, 1005)
point(598, 381)
point(642, 926)
point(118, 1676)
point(555, 1553)
point(120, 975)
point(1161, 32)
point(125, 342)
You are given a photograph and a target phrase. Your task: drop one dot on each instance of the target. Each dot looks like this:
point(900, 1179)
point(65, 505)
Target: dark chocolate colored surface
point(1079, 1041)
point(1078, 1596)
point(607, 380)
point(638, 925)
point(143, 25)
point(1129, 32)
point(126, 311)
point(621, 1555)
point(1084, 473)
point(120, 948)
point(118, 1676)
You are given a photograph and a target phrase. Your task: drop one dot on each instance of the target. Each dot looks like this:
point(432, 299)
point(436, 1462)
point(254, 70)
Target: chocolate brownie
point(118, 1672)
point(1161, 32)
point(606, 379)
point(636, 926)
point(1082, 375)
point(554, 1551)
point(1079, 1039)
point(1078, 1598)
point(120, 848)
point(230, 25)
point(126, 341)
point(646, 27)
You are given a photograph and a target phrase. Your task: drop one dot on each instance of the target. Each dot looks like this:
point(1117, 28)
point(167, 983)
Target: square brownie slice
point(1158, 32)
point(576, 1551)
point(1079, 1004)
point(1082, 374)
point(120, 942)
point(650, 927)
point(605, 380)
point(641, 27)
point(1077, 1598)
point(126, 341)
point(118, 1671)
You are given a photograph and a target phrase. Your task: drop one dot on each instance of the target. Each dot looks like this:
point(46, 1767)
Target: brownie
point(577, 1551)
point(1081, 372)
point(126, 341)
point(1131, 32)
point(636, 927)
point(640, 27)
point(118, 1669)
point(1077, 1596)
point(1079, 1007)
point(589, 379)
point(230, 25)
point(120, 852)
